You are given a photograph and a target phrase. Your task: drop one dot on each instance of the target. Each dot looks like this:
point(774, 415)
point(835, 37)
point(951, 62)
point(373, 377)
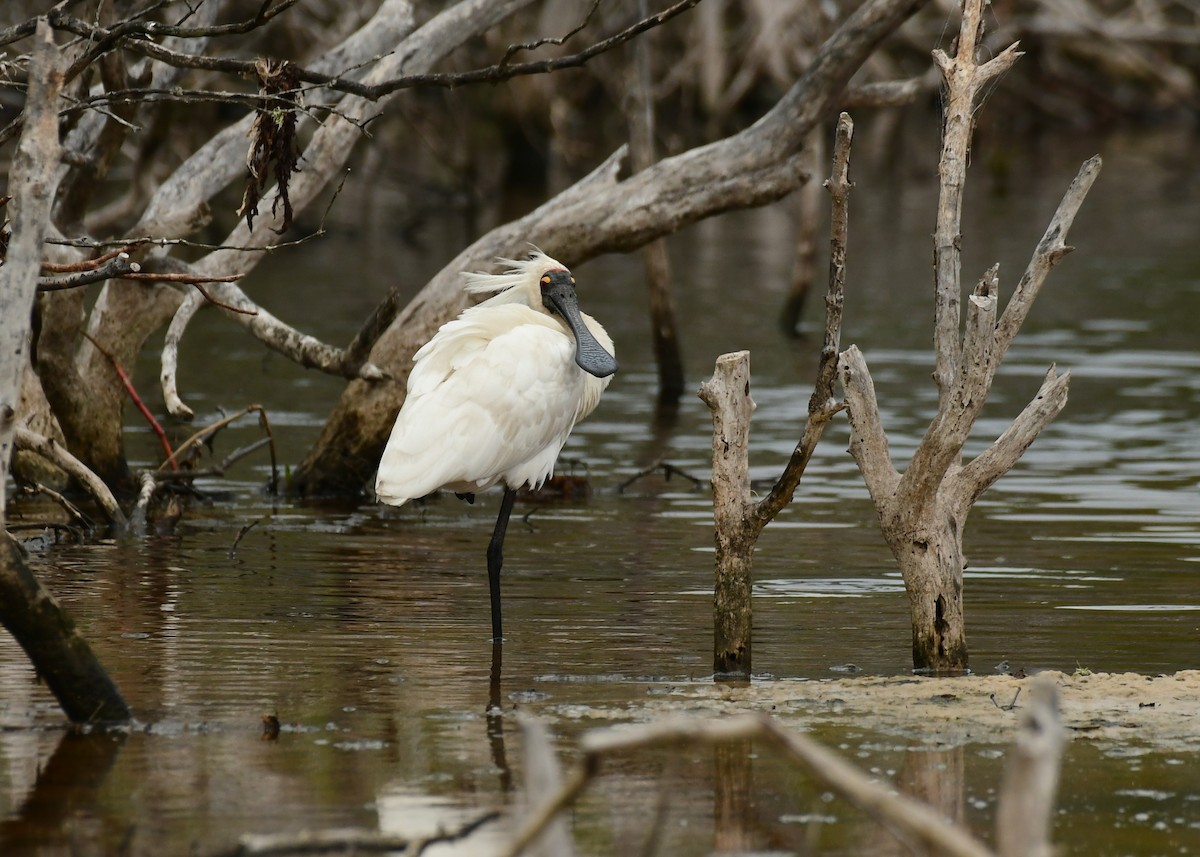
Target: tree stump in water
point(727, 395)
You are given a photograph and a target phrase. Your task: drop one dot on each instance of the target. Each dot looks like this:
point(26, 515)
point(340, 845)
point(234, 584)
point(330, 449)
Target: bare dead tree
point(739, 519)
point(923, 511)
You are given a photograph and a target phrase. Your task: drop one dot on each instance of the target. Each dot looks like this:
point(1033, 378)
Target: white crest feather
point(520, 272)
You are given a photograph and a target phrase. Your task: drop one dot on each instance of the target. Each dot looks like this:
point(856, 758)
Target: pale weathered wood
point(1025, 809)
point(55, 647)
point(738, 519)
point(964, 78)
point(923, 512)
point(55, 453)
point(326, 153)
point(727, 395)
point(543, 778)
point(31, 184)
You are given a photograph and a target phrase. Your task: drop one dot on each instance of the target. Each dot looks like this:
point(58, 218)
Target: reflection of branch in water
point(495, 719)
point(352, 841)
point(912, 818)
point(668, 470)
point(68, 784)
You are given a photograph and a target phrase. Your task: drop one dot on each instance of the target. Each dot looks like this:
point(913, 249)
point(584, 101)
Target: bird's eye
point(546, 280)
point(572, 281)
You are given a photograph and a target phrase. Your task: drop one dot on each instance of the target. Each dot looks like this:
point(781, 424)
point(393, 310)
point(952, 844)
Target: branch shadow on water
point(66, 786)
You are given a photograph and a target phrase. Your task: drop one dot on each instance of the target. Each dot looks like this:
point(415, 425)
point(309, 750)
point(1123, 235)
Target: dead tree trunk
point(923, 512)
point(727, 395)
point(739, 520)
point(60, 655)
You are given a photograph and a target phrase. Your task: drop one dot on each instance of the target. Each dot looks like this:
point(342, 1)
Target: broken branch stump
point(727, 395)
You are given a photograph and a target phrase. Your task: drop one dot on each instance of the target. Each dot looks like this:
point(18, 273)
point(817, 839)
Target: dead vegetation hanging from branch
point(274, 149)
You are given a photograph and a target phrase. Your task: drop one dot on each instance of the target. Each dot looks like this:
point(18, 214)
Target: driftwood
point(35, 620)
point(923, 512)
point(740, 520)
point(600, 214)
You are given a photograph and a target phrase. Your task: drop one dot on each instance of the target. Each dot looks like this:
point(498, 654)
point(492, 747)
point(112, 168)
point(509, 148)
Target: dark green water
point(366, 629)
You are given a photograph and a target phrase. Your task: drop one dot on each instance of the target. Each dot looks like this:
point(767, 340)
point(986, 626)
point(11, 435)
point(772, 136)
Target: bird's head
point(548, 285)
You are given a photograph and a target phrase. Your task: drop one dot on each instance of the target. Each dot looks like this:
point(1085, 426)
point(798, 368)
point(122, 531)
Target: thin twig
point(245, 528)
point(70, 508)
point(549, 40)
point(491, 74)
point(57, 455)
point(82, 265)
point(116, 268)
point(823, 405)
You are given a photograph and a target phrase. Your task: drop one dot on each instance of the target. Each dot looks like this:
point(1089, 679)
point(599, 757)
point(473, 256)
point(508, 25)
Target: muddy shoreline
point(1157, 711)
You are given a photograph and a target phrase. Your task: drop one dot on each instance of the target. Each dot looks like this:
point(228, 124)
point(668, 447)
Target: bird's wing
point(488, 393)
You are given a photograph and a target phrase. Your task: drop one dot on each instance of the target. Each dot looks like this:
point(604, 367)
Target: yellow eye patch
point(546, 280)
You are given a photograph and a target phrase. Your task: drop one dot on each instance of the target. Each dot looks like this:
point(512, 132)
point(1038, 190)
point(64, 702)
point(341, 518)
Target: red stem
point(137, 400)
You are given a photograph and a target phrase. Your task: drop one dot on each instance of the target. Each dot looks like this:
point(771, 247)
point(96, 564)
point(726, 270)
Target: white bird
point(494, 394)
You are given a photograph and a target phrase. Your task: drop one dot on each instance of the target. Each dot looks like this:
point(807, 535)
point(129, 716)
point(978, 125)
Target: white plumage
point(494, 394)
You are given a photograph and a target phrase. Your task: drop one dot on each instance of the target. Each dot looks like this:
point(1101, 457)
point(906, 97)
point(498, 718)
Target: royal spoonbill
point(494, 394)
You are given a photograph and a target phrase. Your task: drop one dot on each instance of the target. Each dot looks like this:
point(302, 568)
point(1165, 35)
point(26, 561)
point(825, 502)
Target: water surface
point(365, 629)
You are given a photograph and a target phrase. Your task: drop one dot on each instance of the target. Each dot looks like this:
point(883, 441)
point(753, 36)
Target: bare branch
point(550, 40)
point(823, 404)
point(964, 78)
point(1049, 252)
point(82, 265)
point(137, 518)
point(56, 453)
point(868, 440)
point(276, 334)
point(180, 202)
point(977, 476)
point(941, 447)
point(115, 268)
point(105, 39)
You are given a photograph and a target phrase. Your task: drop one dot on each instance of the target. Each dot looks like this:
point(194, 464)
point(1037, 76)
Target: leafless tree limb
point(54, 452)
point(114, 269)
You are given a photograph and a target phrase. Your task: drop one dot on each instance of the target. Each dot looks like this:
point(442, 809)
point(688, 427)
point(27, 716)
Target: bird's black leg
point(495, 559)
